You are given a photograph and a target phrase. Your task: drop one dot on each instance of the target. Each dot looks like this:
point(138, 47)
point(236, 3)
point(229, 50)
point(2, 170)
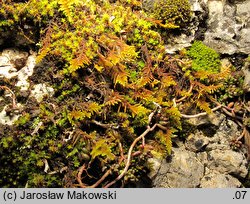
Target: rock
point(5, 119)
point(154, 166)
point(183, 38)
point(201, 161)
point(10, 62)
point(212, 119)
point(228, 161)
point(19, 64)
point(246, 71)
point(228, 26)
point(184, 171)
point(214, 179)
point(39, 91)
point(227, 131)
point(195, 142)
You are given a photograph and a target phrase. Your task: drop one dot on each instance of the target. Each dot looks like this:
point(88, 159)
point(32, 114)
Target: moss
point(172, 12)
point(204, 58)
point(110, 73)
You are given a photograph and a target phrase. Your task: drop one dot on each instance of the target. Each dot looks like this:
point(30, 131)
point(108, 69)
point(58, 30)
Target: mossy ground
point(112, 80)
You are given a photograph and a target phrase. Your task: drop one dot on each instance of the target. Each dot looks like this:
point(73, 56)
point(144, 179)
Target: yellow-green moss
point(204, 58)
point(176, 12)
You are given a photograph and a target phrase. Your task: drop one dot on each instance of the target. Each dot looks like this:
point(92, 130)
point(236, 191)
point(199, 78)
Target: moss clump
point(204, 58)
point(112, 81)
point(176, 12)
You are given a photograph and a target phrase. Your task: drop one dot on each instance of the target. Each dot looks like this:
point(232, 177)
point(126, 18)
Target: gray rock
point(184, 171)
point(154, 165)
point(228, 161)
point(184, 38)
point(228, 26)
point(246, 71)
point(195, 142)
point(227, 131)
point(201, 161)
point(214, 179)
point(215, 119)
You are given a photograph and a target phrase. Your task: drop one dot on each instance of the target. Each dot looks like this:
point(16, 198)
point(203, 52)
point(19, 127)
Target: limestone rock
point(154, 166)
point(10, 63)
point(195, 142)
point(227, 131)
point(228, 26)
point(228, 161)
point(246, 71)
point(212, 119)
point(214, 179)
point(202, 161)
point(179, 40)
point(39, 91)
point(184, 171)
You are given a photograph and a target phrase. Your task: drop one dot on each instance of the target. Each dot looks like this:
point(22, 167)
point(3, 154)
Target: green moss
point(204, 58)
point(172, 12)
point(110, 73)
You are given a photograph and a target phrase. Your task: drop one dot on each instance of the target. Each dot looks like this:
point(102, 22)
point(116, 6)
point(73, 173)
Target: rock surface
point(224, 25)
point(177, 41)
point(246, 71)
point(183, 171)
point(228, 26)
point(216, 179)
point(206, 161)
point(18, 64)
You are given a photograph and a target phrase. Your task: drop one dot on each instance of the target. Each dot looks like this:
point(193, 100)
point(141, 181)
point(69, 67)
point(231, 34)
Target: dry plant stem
point(200, 114)
point(184, 97)
point(231, 114)
point(141, 137)
point(82, 185)
point(79, 175)
point(122, 153)
point(13, 95)
point(106, 126)
point(242, 134)
point(101, 179)
point(149, 129)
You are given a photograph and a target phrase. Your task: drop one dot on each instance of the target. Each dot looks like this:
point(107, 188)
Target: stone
point(228, 161)
point(182, 39)
point(212, 119)
point(154, 165)
point(246, 72)
point(40, 91)
point(196, 141)
point(9, 69)
point(183, 171)
point(206, 162)
point(227, 131)
point(228, 26)
point(214, 179)
point(6, 119)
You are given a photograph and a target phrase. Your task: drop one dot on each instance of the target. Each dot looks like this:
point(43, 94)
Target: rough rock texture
point(184, 170)
point(14, 63)
point(246, 71)
point(213, 179)
point(177, 41)
point(227, 161)
point(224, 25)
point(19, 64)
point(204, 160)
point(228, 26)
